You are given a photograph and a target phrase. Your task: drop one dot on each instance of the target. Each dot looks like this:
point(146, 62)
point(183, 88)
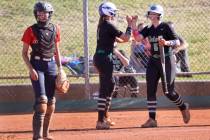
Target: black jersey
point(106, 35)
point(164, 31)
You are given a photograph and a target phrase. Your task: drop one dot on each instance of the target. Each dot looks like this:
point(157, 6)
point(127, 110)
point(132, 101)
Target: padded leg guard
point(38, 120)
point(48, 118)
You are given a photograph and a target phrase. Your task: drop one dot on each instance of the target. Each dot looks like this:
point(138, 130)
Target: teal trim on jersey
point(100, 52)
point(103, 52)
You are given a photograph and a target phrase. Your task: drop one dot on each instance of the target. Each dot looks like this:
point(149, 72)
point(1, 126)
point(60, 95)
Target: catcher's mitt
point(61, 82)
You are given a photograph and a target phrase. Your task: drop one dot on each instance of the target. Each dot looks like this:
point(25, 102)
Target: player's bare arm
point(138, 37)
point(126, 36)
point(32, 72)
point(122, 58)
point(58, 56)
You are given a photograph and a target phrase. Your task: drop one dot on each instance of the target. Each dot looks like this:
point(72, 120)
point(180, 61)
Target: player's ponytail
point(101, 20)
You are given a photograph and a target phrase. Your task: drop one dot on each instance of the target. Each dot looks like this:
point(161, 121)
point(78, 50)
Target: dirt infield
point(81, 126)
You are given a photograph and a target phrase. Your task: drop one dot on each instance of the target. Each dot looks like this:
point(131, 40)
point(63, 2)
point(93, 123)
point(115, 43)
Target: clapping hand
point(129, 20)
point(134, 21)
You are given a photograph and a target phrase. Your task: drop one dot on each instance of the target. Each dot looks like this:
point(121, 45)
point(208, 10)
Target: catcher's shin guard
point(48, 118)
point(38, 118)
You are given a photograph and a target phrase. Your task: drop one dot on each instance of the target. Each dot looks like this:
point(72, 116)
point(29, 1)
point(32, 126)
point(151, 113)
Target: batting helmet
point(155, 8)
point(107, 9)
point(43, 7)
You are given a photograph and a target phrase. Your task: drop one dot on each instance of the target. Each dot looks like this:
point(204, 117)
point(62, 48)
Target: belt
point(103, 52)
point(43, 59)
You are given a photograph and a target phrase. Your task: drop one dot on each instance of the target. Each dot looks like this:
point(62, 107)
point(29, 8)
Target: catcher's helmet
point(155, 8)
point(107, 9)
point(43, 7)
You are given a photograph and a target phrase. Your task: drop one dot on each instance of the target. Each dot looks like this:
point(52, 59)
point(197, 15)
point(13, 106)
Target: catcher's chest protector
point(45, 47)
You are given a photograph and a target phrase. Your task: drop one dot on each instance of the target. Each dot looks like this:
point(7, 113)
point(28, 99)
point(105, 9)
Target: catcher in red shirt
point(43, 37)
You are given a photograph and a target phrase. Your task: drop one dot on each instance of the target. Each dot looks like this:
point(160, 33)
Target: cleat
point(109, 121)
point(102, 125)
point(149, 123)
point(186, 113)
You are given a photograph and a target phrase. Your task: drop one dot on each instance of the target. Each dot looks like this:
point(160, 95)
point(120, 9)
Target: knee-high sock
point(101, 109)
point(152, 105)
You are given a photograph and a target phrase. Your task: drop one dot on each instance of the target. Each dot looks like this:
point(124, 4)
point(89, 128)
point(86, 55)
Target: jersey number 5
point(155, 45)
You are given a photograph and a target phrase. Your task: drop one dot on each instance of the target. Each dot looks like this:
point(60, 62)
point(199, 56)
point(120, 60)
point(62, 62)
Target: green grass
point(191, 19)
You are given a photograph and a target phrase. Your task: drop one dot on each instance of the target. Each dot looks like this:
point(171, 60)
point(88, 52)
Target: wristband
point(128, 31)
point(135, 33)
point(172, 43)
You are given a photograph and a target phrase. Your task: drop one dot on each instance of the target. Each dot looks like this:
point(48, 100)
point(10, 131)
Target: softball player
point(106, 35)
point(121, 64)
point(43, 37)
point(181, 53)
point(160, 35)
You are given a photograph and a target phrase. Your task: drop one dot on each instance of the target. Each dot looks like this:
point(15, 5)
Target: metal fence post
point(86, 48)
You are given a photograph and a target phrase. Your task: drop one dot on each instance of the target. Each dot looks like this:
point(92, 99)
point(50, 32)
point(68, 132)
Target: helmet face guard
point(43, 7)
point(107, 9)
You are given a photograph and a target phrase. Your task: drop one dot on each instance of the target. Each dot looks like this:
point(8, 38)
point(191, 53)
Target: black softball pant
point(104, 66)
point(182, 57)
point(154, 73)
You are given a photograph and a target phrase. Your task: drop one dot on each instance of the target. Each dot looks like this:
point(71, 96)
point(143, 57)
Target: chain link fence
point(190, 17)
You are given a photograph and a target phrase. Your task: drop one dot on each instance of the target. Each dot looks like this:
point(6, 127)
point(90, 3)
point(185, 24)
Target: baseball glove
point(61, 82)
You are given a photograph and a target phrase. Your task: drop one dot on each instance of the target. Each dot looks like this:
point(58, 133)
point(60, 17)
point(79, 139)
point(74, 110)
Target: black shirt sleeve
point(144, 32)
point(114, 31)
point(171, 32)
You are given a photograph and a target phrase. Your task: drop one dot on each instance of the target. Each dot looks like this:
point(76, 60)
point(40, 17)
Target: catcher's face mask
point(42, 16)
